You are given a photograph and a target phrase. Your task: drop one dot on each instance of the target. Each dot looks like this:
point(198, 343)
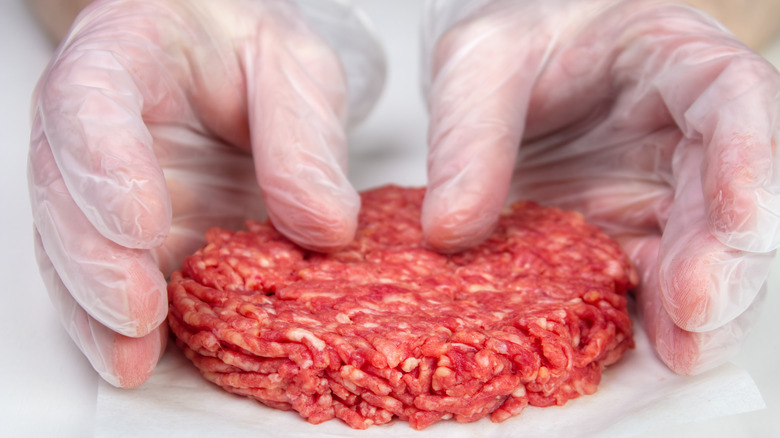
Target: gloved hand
point(158, 119)
point(646, 116)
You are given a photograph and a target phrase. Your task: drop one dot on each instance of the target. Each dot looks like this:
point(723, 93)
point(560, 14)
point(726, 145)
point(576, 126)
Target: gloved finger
point(718, 90)
point(91, 103)
point(684, 352)
point(297, 111)
point(120, 287)
point(703, 283)
point(349, 31)
point(477, 115)
point(120, 360)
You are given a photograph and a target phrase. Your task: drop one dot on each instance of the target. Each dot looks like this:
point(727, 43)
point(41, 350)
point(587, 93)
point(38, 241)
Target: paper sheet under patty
point(636, 395)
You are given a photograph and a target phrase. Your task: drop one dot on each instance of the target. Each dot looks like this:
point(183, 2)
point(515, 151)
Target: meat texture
point(386, 328)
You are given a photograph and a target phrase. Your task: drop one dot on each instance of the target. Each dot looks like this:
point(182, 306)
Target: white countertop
point(48, 389)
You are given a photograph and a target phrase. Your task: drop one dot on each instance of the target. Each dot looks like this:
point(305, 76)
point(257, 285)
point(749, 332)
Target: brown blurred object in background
point(56, 16)
point(756, 22)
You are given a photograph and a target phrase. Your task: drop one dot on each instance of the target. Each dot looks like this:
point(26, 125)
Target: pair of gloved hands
point(158, 119)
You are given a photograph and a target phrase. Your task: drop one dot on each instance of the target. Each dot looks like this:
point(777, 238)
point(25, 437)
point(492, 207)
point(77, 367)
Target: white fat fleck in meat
point(500, 347)
point(303, 319)
point(519, 391)
point(347, 382)
point(482, 360)
point(275, 378)
point(615, 269)
point(509, 337)
point(343, 318)
point(438, 375)
point(464, 346)
point(299, 334)
point(398, 298)
point(352, 374)
point(409, 364)
point(481, 288)
point(444, 361)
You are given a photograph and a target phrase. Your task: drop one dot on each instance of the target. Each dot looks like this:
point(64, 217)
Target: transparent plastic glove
point(646, 116)
point(159, 119)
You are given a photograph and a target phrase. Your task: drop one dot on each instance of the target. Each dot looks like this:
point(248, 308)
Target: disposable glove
point(159, 119)
point(648, 117)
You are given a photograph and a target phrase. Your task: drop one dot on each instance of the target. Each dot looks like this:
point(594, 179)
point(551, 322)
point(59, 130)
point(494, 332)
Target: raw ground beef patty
point(387, 328)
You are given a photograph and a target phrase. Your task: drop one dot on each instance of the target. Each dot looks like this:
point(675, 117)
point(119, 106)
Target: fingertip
point(470, 172)
point(704, 284)
point(683, 290)
point(676, 348)
point(315, 218)
point(134, 359)
point(692, 353)
point(456, 218)
point(455, 231)
point(447, 241)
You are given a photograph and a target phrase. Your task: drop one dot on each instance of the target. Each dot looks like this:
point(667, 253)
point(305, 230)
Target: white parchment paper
point(636, 395)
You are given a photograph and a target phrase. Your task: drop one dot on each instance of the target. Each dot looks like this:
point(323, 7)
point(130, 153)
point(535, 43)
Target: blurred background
point(49, 389)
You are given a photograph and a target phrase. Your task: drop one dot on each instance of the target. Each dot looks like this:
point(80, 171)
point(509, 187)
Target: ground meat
point(386, 328)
